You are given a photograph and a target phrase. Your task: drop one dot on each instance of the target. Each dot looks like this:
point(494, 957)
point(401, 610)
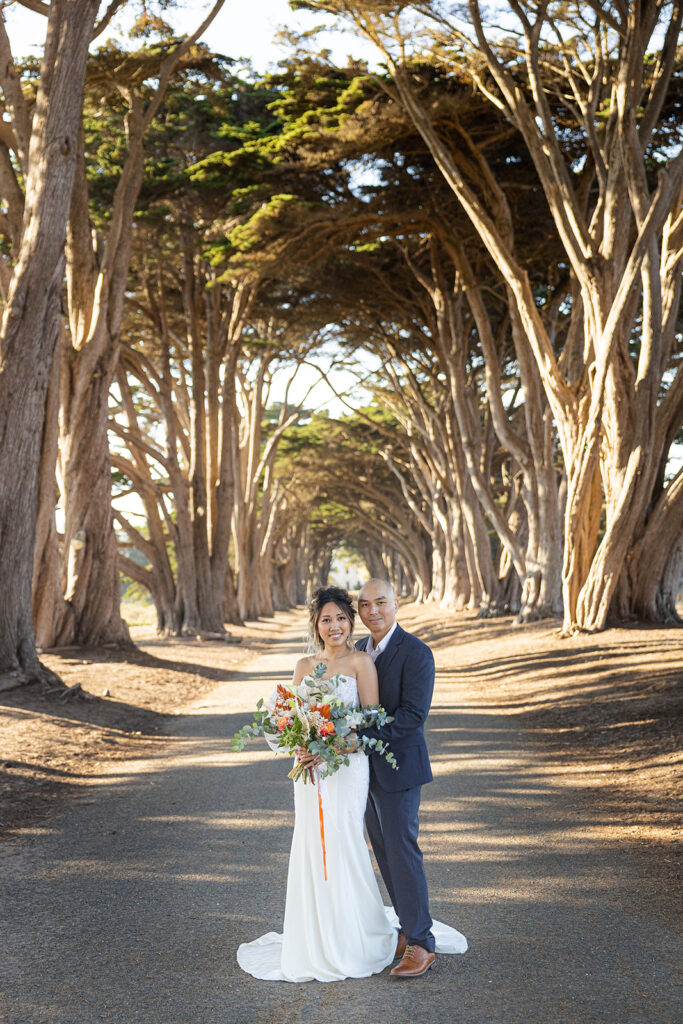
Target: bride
point(335, 925)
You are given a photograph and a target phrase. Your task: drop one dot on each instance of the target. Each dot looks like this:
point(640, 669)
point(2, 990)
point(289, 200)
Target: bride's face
point(333, 626)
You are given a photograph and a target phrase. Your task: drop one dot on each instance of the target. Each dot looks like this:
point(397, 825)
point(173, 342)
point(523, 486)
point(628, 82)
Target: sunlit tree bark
point(184, 369)
point(97, 271)
point(31, 319)
point(620, 229)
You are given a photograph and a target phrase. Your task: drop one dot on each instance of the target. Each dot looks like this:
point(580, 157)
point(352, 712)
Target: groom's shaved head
point(383, 584)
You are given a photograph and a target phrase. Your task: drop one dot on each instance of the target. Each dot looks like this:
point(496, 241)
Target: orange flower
point(283, 723)
point(282, 700)
point(324, 710)
point(327, 729)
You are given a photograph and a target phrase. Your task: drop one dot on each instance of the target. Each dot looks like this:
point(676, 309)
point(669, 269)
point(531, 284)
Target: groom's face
point(377, 608)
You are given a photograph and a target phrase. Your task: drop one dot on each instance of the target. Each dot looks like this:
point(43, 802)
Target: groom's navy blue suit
point(406, 682)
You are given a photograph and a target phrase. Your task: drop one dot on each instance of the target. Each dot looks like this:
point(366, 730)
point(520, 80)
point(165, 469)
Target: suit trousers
point(392, 823)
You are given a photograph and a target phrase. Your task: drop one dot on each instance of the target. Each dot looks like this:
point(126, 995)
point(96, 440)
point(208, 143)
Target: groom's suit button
point(415, 961)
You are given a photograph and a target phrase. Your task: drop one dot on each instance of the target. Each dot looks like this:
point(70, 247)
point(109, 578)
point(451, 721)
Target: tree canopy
point(485, 231)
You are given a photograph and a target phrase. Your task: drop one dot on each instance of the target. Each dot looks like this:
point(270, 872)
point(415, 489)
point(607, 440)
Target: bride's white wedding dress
point(337, 927)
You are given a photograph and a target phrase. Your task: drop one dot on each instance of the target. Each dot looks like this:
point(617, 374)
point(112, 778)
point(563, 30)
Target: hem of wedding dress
point(270, 966)
point(448, 941)
point(322, 981)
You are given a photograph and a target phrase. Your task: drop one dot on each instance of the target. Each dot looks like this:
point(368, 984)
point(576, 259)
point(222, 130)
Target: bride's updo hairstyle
point(321, 597)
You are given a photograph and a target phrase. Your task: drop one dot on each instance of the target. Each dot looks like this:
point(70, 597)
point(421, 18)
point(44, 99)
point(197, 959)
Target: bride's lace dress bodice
point(347, 689)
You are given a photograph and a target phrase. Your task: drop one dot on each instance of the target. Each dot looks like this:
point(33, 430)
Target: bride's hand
point(304, 756)
point(352, 743)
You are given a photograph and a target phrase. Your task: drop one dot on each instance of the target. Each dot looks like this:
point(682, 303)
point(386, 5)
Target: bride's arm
point(302, 667)
point(366, 674)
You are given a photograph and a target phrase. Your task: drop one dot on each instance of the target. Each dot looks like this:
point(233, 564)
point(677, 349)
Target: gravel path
point(128, 905)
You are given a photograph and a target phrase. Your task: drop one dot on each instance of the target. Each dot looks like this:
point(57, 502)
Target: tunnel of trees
point(485, 231)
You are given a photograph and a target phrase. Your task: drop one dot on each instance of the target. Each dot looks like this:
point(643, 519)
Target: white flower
point(316, 719)
point(303, 719)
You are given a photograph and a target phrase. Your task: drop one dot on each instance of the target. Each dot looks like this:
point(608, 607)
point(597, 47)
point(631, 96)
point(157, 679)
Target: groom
point(405, 667)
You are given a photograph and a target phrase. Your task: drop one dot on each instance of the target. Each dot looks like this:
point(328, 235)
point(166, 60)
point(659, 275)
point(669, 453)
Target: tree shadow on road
point(158, 880)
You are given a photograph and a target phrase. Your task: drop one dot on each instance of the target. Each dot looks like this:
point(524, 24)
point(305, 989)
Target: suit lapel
point(387, 656)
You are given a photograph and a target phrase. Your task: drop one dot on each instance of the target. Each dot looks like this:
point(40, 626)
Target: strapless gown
point(337, 927)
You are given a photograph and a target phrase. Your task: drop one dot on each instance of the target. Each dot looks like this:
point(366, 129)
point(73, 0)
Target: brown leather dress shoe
point(400, 945)
point(415, 961)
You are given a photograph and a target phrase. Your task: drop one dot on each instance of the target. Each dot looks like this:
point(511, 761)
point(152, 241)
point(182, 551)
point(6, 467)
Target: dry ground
point(606, 708)
point(51, 747)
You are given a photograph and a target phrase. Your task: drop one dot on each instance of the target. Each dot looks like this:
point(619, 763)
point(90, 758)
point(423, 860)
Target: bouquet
point(312, 717)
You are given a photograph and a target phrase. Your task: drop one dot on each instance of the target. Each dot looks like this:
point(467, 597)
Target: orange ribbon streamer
point(322, 826)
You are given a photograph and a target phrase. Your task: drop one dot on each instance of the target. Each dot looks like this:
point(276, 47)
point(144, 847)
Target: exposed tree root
point(65, 693)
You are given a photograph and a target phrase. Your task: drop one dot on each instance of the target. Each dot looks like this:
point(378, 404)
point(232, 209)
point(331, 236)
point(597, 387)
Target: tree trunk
point(96, 284)
point(649, 585)
point(621, 238)
point(538, 563)
point(97, 275)
point(27, 346)
point(47, 598)
point(31, 321)
point(90, 580)
point(457, 590)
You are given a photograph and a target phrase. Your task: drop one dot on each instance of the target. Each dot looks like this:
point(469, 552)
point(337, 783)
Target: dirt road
point(127, 905)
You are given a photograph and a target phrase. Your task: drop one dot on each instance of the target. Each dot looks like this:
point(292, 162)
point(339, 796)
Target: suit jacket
point(406, 683)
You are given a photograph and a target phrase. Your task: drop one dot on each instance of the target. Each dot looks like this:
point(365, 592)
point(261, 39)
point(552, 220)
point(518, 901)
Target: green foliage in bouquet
point(313, 717)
